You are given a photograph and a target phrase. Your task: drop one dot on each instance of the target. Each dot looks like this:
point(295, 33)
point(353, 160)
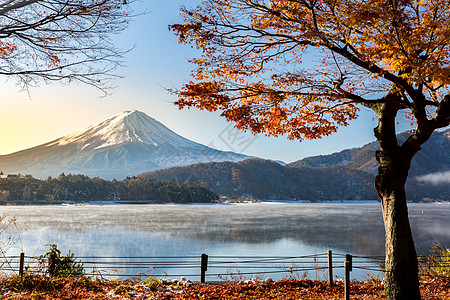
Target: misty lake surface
point(260, 229)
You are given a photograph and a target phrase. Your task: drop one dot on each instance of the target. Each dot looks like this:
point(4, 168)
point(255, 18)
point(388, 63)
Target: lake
point(260, 229)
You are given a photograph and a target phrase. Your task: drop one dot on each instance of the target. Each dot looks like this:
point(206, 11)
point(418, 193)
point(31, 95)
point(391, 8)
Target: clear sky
point(157, 62)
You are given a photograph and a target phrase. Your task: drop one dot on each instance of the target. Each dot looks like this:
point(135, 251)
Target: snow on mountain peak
point(447, 133)
point(125, 127)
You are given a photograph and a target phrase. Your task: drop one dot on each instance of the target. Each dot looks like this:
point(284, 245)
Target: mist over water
point(265, 229)
point(435, 178)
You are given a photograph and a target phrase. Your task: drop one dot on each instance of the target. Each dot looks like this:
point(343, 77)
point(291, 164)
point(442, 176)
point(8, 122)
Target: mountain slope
point(265, 179)
point(346, 175)
point(433, 158)
point(124, 145)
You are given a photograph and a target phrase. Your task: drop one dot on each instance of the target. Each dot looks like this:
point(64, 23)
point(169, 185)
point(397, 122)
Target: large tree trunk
point(401, 277)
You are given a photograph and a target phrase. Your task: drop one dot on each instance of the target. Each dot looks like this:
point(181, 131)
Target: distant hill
point(346, 175)
point(124, 145)
point(359, 158)
point(433, 158)
point(265, 179)
point(80, 188)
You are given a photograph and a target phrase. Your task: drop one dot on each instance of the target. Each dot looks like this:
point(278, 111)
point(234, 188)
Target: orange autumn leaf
point(304, 68)
point(85, 288)
point(316, 62)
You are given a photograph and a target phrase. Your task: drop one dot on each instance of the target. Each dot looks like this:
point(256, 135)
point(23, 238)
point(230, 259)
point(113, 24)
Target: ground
point(84, 288)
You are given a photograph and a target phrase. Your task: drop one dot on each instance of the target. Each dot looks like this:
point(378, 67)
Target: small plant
point(375, 278)
point(29, 282)
point(38, 283)
point(438, 262)
point(232, 276)
point(62, 266)
point(153, 283)
point(293, 272)
point(6, 242)
point(122, 289)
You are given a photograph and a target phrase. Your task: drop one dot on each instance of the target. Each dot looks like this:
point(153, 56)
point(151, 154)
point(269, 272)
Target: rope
point(250, 265)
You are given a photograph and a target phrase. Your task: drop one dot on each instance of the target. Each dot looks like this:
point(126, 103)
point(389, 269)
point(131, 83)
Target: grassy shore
point(40, 287)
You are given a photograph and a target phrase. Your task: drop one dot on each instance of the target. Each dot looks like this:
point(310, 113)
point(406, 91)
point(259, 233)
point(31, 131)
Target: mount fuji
point(125, 145)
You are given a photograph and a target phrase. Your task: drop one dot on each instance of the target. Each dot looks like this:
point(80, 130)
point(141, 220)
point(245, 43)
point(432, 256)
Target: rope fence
point(224, 268)
point(212, 268)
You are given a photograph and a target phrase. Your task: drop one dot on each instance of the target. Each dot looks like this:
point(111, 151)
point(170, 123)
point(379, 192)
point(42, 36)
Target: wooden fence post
point(347, 269)
point(330, 267)
point(348, 258)
point(21, 263)
point(204, 267)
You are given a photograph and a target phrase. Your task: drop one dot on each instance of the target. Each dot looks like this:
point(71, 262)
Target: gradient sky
point(157, 62)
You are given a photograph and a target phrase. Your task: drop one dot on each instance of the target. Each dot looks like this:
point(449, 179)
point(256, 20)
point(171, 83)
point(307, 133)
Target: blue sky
point(157, 62)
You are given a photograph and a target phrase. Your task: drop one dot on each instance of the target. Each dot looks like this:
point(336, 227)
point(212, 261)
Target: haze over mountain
point(124, 145)
point(346, 175)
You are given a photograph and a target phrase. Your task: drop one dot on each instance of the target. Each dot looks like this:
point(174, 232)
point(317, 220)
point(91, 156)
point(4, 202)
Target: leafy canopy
point(303, 67)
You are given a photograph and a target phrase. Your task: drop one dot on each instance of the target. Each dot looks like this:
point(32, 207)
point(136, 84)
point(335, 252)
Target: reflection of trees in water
point(355, 228)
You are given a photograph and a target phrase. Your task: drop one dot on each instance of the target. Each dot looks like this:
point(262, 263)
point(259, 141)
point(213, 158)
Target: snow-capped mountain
point(125, 145)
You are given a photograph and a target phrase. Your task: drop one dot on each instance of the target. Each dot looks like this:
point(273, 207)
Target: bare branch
point(60, 40)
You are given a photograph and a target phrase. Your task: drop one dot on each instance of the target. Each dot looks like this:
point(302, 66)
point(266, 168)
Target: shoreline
point(224, 203)
point(153, 288)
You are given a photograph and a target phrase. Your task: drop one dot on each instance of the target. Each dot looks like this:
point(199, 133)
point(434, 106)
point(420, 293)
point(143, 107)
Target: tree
point(61, 40)
point(4, 195)
point(305, 67)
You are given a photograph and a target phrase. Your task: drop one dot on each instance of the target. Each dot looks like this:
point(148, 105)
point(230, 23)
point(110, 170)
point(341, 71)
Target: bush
point(62, 266)
point(438, 262)
point(153, 283)
point(29, 282)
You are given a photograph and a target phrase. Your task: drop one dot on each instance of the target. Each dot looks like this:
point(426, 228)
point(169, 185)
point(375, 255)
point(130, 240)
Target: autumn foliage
point(301, 68)
point(85, 288)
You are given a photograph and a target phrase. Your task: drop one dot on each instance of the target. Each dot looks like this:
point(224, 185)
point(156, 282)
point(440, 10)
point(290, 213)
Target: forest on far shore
point(81, 188)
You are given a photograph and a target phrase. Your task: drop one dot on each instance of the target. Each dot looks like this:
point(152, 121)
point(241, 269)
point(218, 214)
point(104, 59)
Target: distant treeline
point(80, 188)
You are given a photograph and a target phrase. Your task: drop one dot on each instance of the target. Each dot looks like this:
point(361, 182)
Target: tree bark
point(401, 271)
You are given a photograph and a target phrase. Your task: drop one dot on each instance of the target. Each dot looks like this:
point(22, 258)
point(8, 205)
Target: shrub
point(153, 283)
point(438, 262)
point(29, 282)
point(62, 266)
